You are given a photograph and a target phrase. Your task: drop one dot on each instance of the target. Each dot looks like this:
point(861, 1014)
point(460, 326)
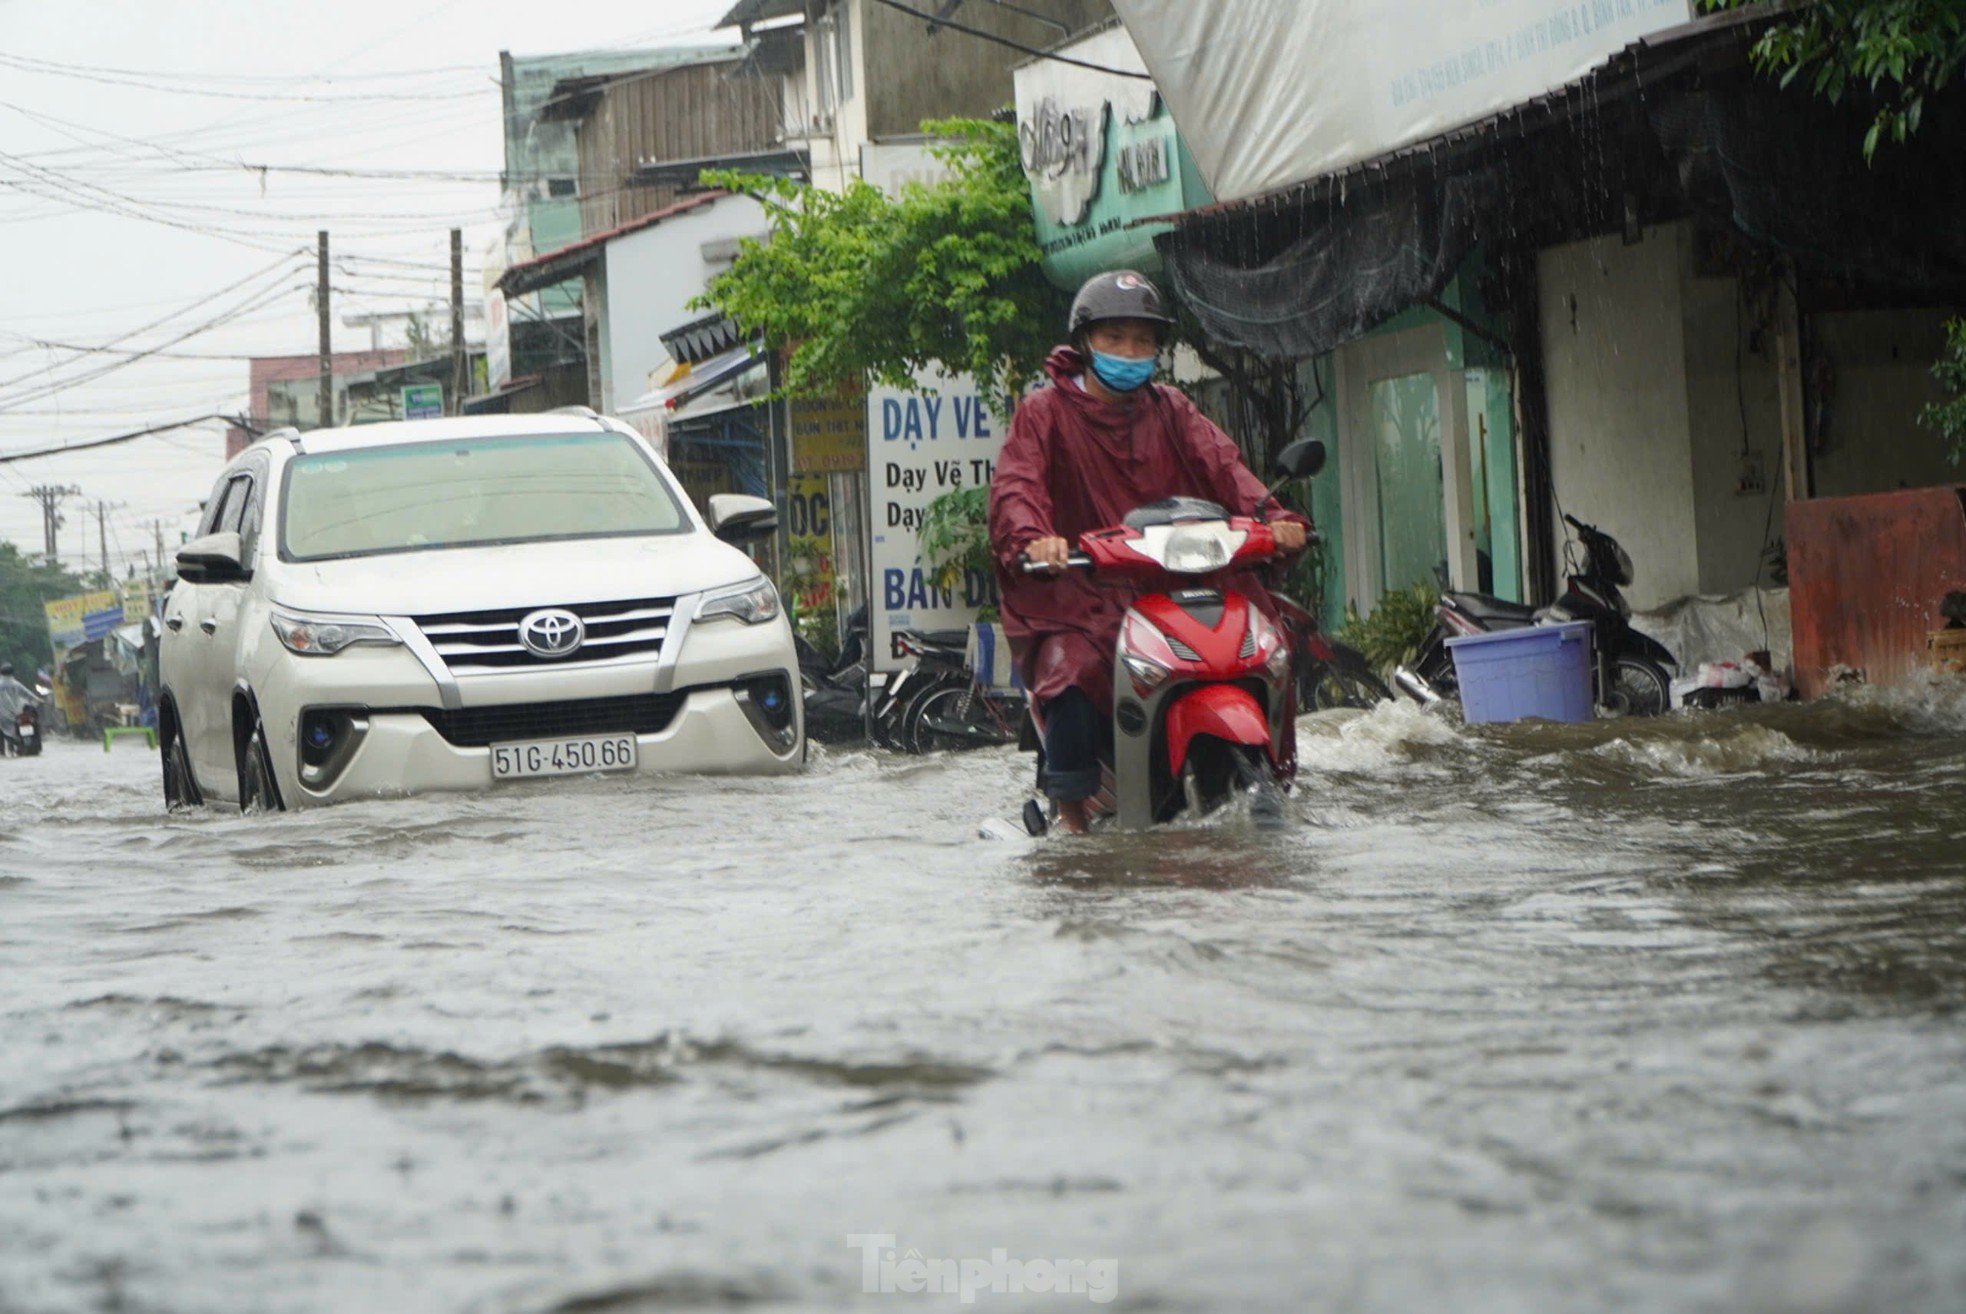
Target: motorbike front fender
point(1224, 710)
point(1644, 645)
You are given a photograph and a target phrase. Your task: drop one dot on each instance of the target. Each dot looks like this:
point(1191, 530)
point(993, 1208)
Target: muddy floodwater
point(1625, 1016)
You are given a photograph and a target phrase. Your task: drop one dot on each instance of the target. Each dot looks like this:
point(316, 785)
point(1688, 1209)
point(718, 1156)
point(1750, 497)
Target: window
point(843, 53)
point(471, 492)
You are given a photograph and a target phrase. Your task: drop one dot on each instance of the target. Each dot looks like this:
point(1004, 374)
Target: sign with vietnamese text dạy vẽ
point(940, 438)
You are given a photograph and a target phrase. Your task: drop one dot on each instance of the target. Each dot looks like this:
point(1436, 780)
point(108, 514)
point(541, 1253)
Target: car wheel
point(180, 786)
point(259, 791)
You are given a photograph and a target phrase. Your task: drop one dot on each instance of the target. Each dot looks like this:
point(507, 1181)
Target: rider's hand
point(1289, 535)
point(1048, 552)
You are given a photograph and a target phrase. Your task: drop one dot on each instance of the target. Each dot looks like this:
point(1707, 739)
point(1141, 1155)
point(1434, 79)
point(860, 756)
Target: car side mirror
point(213, 559)
point(1301, 459)
point(741, 518)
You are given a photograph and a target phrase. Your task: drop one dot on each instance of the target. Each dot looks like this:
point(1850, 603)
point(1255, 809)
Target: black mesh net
point(1658, 134)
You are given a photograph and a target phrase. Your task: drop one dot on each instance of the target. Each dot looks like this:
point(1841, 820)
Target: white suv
point(452, 604)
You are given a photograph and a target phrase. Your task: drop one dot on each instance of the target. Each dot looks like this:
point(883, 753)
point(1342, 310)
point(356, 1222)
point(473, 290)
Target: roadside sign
point(83, 618)
point(423, 401)
point(920, 445)
point(829, 434)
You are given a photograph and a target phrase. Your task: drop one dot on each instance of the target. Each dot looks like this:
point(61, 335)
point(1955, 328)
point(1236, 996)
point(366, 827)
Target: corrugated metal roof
point(558, 266)
point(746, 12)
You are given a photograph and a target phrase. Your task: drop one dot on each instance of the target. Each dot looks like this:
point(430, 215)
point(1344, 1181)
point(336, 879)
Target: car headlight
point(753, 602)
point(324, 636)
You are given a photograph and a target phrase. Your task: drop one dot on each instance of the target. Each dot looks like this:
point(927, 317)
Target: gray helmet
point(1119, 294)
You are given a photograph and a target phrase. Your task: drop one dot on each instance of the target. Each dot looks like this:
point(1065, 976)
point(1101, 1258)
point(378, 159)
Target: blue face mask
point(1120, 373)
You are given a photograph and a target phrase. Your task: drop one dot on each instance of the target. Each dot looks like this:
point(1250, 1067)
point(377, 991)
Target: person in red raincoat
point(1098, 441)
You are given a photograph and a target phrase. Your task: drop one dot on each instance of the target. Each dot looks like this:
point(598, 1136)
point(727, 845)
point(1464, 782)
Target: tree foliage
point(1901, 51)
point(859, 286)
point(1949, 417)
point(25, 586)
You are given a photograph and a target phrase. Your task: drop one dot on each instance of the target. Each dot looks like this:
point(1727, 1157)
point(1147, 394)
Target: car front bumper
point(409, 733)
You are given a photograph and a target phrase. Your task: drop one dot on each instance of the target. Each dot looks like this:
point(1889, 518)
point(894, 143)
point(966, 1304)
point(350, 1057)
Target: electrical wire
point(279, 268)
point(9, 458)
point(54, 386)
point(24, 64)
point(935, 22)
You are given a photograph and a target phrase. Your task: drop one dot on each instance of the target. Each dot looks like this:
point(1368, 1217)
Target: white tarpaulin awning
point(1268, 93)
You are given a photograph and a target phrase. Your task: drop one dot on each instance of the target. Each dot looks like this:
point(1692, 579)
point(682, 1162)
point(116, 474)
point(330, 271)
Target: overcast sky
point(135, 210)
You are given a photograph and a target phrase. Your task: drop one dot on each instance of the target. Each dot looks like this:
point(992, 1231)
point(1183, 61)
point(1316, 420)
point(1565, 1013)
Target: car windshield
point(470, 491)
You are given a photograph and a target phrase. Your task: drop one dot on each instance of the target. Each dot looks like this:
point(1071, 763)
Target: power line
point(279, 267)
point(145, 83)
point(54, 386)
point(247, 79)
point(9, 458)
point(934, 21)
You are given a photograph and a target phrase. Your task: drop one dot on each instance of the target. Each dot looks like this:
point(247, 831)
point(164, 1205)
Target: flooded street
point(1659, 1016)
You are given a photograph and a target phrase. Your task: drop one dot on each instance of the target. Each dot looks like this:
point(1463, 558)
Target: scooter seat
point(1482, 607)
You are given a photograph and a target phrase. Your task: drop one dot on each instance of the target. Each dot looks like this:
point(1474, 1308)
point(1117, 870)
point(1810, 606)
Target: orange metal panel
point(1866, 575)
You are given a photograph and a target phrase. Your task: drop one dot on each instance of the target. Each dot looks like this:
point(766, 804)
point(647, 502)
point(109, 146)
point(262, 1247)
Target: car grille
point(479, 727)
point(471, 642)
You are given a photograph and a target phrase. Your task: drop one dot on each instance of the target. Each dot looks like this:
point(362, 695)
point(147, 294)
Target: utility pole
point(50, 497)
point(102, 536)
point(460, 362)
point(326, 410)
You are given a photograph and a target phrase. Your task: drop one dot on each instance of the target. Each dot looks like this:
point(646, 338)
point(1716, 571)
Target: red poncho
point(1071, 463)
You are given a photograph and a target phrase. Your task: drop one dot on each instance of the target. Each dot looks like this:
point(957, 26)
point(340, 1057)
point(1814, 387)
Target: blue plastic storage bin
point(1544, 670)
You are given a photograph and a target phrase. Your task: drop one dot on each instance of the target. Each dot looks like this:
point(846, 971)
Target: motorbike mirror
point(1301, 459)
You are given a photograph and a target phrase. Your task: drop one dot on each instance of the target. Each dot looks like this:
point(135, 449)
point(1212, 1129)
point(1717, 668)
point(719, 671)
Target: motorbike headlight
point(1197, 549)
point(324, 636)
point(753, 602)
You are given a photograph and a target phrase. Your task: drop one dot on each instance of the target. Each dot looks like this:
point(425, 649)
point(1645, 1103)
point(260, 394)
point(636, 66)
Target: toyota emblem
point(554, 632)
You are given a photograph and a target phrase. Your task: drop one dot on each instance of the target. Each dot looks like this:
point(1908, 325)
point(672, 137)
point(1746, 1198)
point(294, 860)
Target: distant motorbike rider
point(13, 696)
point(1101, 440)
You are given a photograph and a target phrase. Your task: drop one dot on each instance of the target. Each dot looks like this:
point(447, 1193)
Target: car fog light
point(773, 696)
point(328, 739)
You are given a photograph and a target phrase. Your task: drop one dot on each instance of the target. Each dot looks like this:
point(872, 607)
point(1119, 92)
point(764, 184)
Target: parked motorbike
point(1203, 693)
point(1631, 668)
point(836, 692)
point(1328, 674)
point(943, 704)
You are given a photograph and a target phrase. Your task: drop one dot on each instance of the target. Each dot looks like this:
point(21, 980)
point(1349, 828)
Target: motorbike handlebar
point(1076, 559)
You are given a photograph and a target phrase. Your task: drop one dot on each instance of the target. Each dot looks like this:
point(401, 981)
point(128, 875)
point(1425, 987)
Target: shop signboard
point(829, 434)
point(937, 438)
point(423, 401)
point(82, 618)
point(1101, 154)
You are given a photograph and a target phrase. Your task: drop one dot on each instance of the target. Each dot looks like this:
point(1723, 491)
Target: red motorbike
point(1203, 698)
